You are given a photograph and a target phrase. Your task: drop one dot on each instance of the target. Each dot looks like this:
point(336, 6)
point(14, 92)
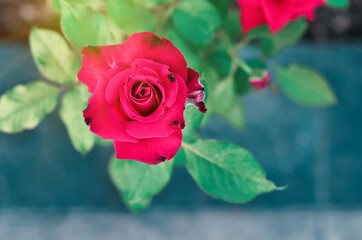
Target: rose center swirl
point(145, 97)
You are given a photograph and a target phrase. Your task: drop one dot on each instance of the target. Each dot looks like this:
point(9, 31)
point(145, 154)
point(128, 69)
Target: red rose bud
point(260, 79)
point(275, 13)
point(139, 92)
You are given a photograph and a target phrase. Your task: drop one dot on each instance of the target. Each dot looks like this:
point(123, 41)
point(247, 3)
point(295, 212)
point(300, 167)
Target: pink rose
point(139, 91)
point(275, 13)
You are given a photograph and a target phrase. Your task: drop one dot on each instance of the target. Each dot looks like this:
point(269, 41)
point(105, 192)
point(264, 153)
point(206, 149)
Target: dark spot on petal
point(153, 40)
point(87, 120)
point(162, 159)
point(171, 77)
point(176, 123)
point(94, 49)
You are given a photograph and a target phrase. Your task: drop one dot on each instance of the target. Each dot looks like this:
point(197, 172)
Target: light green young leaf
point(83, 26)
point(24, 106)
point(53, 57)
point(95, 4)
point(271, 44)
point(139, 182)
point(305, 86)
point(131, 17)
point(226, 171)
point(338, 3)
point(196, 20)
point(71, 113)
point(152, 3)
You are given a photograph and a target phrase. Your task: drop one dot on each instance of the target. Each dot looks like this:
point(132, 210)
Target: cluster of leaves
point(208, 33)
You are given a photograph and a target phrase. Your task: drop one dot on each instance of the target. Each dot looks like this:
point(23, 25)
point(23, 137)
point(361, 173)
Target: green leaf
point(221, 61)
point(226, 103)
point(139, 182)
point(196, 20)
point(189, 53)
point(95, 4)
point(131, 17)
point(24, 106)
point(193, 118)
point(209, 76)
point(139, 205)
point(224, 97)
point(236, 116)
point(99, 141)
point(180, 158)
point(305, 86)
point(232, 24)
point(271, 44)
point(338, 3)
point(222, 6)
point(226, 171)
point(53, 57)
point(83, 26)
point(152, 3)
point(71, 112)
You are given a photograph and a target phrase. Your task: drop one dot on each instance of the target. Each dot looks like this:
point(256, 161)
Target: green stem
point(233, 52)
point(243, 65)
point(240, 44)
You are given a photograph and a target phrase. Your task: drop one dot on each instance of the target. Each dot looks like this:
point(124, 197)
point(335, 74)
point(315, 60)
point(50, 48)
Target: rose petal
point(148, 105)
point(170, 86)
point(192, 82)
point(279, 13)
point(129, 109)
point(149, 46)
point(151, 150)
point(96, 61)
point(251, 15)
point(115, 83)
point(107, 121)
point(195, 91)
point(172, 119)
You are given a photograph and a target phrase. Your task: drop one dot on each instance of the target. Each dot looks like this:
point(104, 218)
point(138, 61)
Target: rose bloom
point(275, 13)
point(139, 91)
